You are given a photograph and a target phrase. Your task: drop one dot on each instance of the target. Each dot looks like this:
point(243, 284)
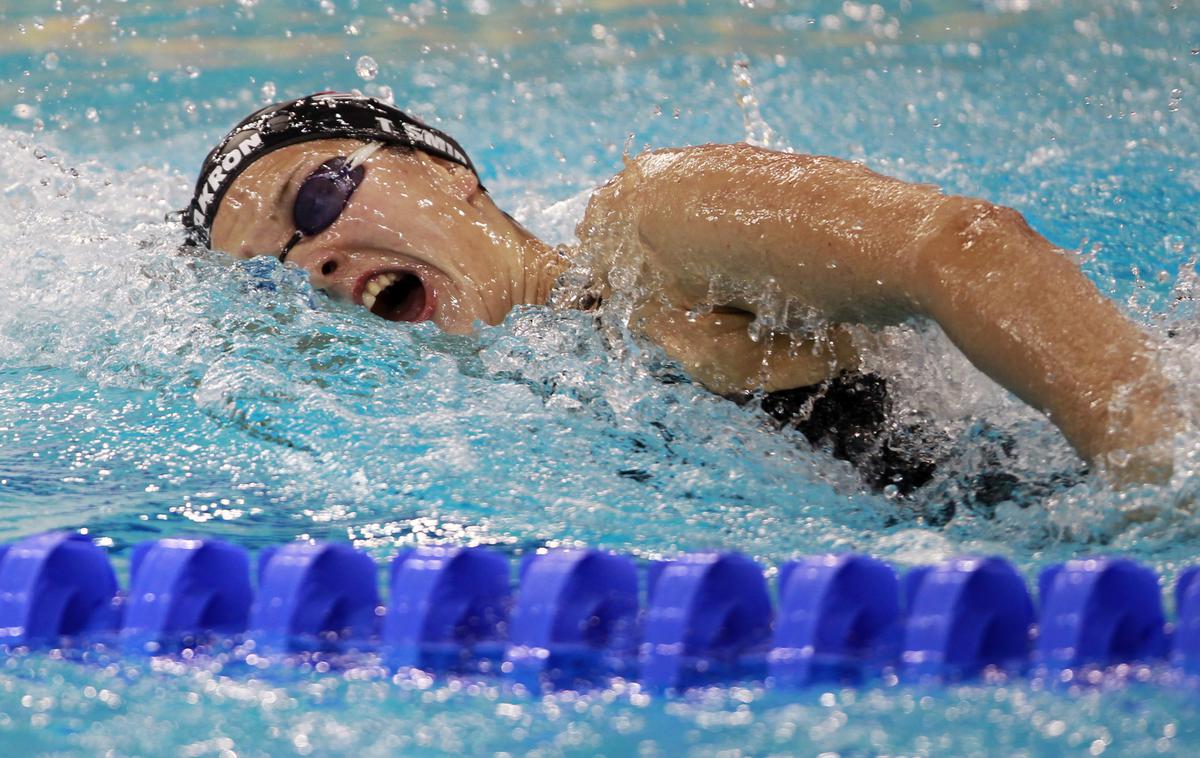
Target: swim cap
point(322, 116)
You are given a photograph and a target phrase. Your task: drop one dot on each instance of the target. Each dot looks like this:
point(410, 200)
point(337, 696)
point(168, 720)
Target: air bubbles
point(268, 91)
point(92, 115)
point(50, 62)
point(1175, 100)
point(366, 68)
point(24, 111)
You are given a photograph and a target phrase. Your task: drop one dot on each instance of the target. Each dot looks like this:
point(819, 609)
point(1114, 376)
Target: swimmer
point(389, 213)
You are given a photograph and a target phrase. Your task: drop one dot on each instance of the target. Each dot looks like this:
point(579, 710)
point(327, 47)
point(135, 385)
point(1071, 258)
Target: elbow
point(966, 242)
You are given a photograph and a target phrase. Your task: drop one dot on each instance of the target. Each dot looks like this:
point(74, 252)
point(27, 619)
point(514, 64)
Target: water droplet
point(891, 491)
point(747, 3)
point(268, 90)
point(50, 62)
point(91, 114)
point(384, 93)
point(937, 123)
point(24, 110)
point(367, 68)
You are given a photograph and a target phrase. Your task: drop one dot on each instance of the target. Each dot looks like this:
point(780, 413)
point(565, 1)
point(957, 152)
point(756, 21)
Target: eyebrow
point(283, 186)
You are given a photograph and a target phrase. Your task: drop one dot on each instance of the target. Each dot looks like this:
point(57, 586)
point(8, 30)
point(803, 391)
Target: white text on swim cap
point(421, 137)
point(217, 176)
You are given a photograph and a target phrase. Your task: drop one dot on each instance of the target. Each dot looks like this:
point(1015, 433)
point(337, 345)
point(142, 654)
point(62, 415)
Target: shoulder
point(725, 162)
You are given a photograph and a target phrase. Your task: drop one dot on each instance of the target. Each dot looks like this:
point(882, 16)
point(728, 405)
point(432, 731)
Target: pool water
point(148, 392)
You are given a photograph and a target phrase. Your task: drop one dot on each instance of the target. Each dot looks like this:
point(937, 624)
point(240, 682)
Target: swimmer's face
point(418, 240)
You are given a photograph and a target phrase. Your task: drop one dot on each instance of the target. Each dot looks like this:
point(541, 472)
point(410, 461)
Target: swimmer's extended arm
point(747, 228)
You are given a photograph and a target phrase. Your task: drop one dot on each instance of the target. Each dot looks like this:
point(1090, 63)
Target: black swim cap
point(321, 116)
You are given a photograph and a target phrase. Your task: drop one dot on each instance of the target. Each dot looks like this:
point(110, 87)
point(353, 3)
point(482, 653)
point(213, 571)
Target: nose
point(322, 265)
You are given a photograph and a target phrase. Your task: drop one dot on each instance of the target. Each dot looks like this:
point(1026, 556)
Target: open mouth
point(396, 296)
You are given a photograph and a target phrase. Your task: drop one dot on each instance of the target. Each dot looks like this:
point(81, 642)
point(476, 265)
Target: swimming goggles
point(325, 194)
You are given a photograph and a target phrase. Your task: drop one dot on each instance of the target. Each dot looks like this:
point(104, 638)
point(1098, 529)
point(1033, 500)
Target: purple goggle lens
point(324, 195)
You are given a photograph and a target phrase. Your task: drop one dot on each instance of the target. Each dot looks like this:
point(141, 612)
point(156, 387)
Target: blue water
point(147, 392)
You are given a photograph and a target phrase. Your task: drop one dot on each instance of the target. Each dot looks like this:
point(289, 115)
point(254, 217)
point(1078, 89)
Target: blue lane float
point(580, 617)
point(708, 620)
point(839, 620)
point(966, 614)
point(1100, 612)
point(447, 608)
point(314, 596)
point(186, 591)
point(1186, 649)
point(574, 620)
point(53, 586)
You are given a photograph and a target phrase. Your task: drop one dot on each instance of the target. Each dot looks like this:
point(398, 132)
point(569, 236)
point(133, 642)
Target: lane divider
point(580, 616)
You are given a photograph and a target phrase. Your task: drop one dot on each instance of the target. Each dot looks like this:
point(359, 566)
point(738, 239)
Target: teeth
point(377, 284)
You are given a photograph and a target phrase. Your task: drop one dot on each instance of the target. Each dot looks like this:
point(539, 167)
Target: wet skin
point(718, 236)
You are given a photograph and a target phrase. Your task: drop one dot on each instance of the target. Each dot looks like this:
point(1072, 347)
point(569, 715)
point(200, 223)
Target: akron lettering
point(228, 162)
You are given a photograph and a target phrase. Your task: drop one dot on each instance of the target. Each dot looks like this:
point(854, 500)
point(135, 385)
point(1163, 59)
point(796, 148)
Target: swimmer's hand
point(805, 241)
point(722, 349)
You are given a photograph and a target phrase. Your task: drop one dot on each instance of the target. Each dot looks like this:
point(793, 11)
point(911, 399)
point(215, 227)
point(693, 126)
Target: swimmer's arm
point(849, 245)
point(1021, 310)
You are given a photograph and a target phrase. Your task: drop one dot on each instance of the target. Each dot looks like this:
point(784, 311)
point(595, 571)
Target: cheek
point(457, 315)
point(252, 231)
point(251, 241)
